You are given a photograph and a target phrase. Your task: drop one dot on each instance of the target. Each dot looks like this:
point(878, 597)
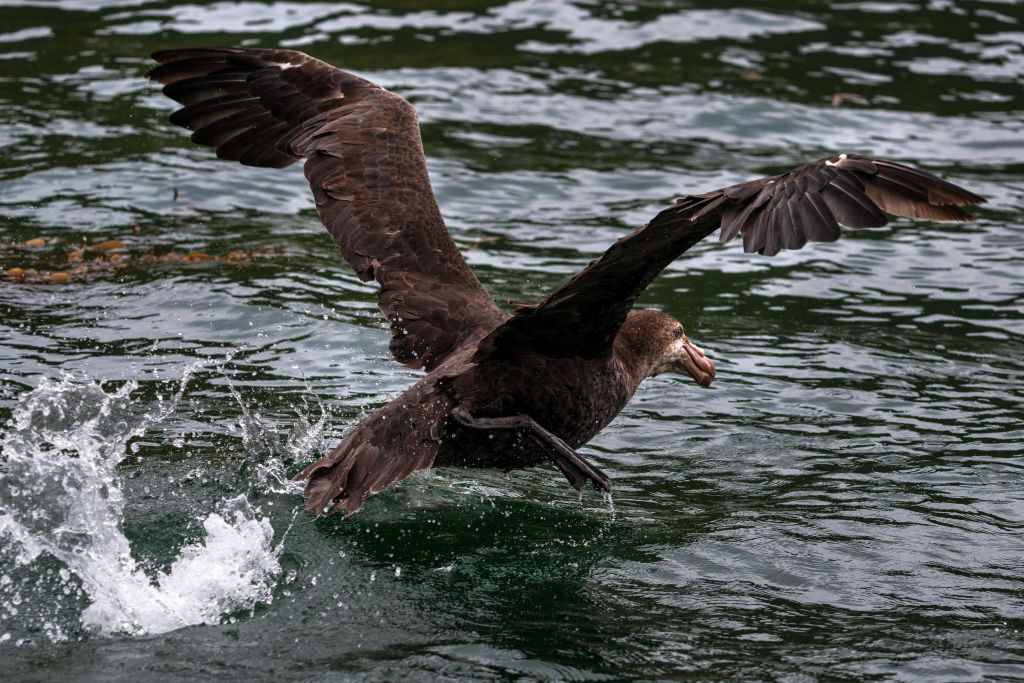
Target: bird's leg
point(572, 465)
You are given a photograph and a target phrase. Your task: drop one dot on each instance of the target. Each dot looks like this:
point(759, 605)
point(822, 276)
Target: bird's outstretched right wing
point(365, 165)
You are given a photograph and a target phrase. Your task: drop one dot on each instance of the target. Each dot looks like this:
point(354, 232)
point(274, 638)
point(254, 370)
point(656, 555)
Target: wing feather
point(823, 226)
point(807, 204)
point(365, 166)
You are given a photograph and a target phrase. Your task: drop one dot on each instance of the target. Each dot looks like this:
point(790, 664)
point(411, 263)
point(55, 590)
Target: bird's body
point(503, 390)
point(572, 399)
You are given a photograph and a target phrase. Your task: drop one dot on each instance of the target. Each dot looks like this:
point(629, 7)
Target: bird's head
point(656, 343)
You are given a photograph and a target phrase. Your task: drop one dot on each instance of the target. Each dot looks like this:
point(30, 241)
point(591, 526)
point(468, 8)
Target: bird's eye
point(678, 332)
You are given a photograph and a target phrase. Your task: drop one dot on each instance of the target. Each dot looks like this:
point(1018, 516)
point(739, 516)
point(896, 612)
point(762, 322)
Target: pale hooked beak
point(692, 361)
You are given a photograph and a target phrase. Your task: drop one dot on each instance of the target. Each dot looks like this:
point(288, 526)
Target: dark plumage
point(501, 390)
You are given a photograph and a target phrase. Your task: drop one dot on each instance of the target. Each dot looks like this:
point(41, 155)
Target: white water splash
point(263, 443)
point(60, 496)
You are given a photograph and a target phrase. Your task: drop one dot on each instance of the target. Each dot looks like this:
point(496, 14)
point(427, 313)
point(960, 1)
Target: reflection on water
point(844, 502)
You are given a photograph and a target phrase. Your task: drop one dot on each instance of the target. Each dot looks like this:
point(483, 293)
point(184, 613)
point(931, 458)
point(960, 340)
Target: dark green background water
point(844, 503)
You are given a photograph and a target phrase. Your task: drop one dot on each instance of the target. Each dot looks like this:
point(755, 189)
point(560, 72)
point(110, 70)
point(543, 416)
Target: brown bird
point(501, 390)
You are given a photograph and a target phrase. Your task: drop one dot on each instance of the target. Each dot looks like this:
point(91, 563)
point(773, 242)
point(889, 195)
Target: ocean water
point(844, 503)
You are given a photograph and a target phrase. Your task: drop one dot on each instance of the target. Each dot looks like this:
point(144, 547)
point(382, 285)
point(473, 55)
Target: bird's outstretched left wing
point(807, 204)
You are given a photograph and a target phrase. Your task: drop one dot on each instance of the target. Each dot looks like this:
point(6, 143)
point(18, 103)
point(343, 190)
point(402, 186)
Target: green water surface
point(846, 502)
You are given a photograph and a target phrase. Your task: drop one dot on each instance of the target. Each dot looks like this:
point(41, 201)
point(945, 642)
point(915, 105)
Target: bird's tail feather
point(343, 479)
point(400, 438)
